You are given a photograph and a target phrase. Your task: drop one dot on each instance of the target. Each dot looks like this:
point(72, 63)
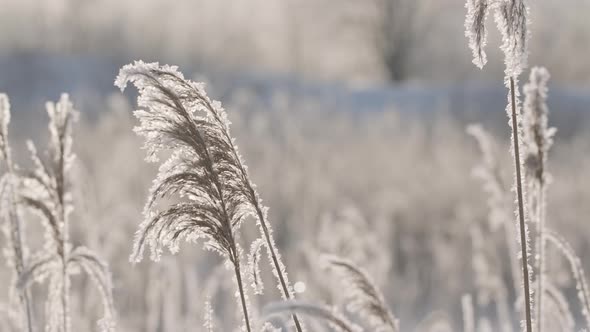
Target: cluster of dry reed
point(45, 192)
point(531, 139)
point(203, 192)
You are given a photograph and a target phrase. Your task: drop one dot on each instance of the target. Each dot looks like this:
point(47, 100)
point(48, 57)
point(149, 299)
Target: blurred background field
point(351, 116)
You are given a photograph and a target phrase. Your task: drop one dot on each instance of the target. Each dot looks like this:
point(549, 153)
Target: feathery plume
point(511, 19)
point(46, 191)
point(363, 296)
point(201, 172)
point(537, 140)
point(475, 30)
point(15, 247)
point(537, 135)
point(181, 116)
point(211, 121)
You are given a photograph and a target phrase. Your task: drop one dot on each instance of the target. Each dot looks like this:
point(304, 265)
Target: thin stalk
point(276, 264)
point(541, 255)
point(241, 289)
point(17, 243)
point(61, 191)
point(523, 244)
point(234, 251)
point(24, 294)
point(64, 296)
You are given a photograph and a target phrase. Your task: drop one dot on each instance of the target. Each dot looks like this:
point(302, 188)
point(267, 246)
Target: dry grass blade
point(253, 260)
point(330, 316)
point(576, 265)
point(557, 306)
point(364, 297)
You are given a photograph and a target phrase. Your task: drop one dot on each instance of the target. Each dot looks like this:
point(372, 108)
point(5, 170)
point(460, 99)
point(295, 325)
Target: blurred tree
point(395, 35)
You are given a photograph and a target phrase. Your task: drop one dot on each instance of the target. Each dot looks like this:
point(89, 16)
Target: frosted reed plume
point(363, 296)
point(578, 272)
point(205, 170)
point(512, 22)
point(537, 140)
point(15, 247)
point(475, 29)
point(200, 170)
point(47, 192)
point(511, 19)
